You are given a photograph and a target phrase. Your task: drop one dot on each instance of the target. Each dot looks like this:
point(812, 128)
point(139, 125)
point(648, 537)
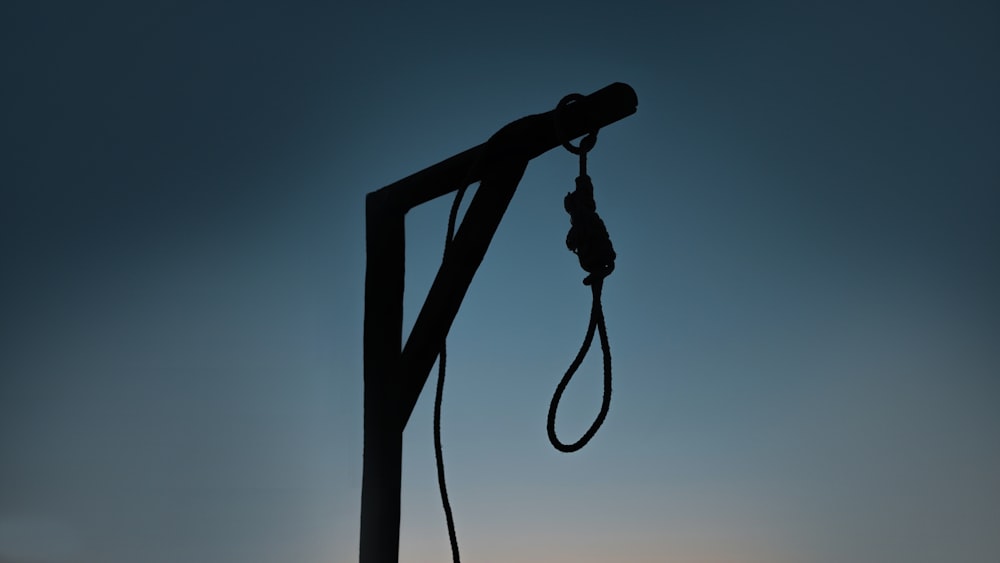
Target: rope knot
point(588, 237)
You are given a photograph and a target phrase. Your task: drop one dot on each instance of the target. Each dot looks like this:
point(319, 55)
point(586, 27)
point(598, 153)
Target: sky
point(804, 319)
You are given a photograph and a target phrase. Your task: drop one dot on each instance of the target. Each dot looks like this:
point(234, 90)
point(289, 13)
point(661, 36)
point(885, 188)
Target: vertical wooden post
point(383, 333)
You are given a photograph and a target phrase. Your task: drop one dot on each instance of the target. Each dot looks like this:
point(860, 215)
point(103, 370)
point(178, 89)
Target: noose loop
point(588, 238)
point(596, 322)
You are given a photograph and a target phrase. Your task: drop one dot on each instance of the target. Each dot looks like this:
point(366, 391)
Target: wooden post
point(394, 375)
point(383, 440)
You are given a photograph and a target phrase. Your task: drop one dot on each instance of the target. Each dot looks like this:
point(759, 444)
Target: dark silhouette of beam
point(534, 134)
point(453, 279)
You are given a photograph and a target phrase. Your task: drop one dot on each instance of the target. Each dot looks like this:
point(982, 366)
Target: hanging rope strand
point(442, 361)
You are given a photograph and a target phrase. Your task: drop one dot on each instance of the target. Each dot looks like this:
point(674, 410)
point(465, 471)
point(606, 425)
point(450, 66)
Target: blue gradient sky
point(804, 318)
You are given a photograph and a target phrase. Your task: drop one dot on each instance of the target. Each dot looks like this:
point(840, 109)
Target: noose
point(588, 238)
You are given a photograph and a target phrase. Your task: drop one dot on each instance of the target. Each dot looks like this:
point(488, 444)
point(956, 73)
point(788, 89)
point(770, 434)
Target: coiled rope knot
point(588, 237)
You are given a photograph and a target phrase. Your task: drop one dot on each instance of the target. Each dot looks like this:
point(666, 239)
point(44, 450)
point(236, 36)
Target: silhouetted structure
point(394, 374)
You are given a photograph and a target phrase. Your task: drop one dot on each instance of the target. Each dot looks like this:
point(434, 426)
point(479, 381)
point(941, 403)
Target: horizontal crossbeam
point(530, 136)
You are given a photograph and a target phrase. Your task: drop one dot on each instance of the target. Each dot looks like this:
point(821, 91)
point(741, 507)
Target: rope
point(442, 360)
point(588, 238)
